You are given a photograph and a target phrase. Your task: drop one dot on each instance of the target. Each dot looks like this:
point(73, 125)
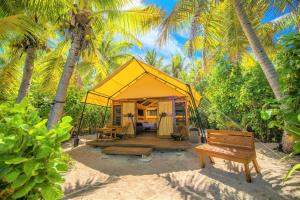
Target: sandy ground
point(174, 175)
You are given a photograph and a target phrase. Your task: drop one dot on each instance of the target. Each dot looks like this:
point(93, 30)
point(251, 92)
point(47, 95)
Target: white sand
point(174, 175)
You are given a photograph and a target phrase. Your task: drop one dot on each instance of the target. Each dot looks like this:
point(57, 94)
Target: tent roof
point(136, 79)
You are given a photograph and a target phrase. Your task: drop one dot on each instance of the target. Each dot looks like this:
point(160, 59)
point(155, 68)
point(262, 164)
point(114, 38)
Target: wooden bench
point(230, 145)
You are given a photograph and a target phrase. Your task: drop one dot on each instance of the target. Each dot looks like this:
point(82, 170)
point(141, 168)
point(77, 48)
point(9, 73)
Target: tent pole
point(199, 122)
point(76, 139)
point(104, 116)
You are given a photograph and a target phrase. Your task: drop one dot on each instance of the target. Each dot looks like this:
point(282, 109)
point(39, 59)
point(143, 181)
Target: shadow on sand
point(181, 171)
point(86, 187)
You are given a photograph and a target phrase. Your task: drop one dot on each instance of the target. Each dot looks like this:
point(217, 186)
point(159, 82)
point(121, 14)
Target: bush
point(31, 158)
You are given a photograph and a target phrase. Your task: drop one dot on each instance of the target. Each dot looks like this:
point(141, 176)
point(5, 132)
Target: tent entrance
point(147, 117)
point(151, 117)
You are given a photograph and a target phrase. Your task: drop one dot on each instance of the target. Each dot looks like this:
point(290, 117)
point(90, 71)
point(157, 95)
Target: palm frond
point(51, 66)
point(286, 21)
point(12, 26)
point(179, 17)
point(136, 20)
point(10, 73)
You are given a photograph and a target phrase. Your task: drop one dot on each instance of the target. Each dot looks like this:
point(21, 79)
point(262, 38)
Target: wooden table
point(106, 131)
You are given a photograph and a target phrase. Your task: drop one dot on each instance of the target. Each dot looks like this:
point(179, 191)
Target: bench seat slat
point(229, 151)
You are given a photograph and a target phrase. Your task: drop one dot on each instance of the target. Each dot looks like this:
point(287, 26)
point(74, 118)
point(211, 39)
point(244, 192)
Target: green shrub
point(31, 158)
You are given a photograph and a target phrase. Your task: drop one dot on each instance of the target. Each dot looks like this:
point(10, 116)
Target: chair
point(122, 131)
point(180, 133)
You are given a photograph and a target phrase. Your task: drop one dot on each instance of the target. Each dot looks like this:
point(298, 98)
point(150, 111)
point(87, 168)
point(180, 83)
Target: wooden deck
point(136, 151)
point(151, 142)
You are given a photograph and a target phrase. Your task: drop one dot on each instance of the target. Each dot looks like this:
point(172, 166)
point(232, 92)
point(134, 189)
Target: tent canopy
point(136, 79)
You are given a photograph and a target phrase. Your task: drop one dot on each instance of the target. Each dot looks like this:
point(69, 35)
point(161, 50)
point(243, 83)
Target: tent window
point(152, 113)
point(180, 113)
point(117, 115)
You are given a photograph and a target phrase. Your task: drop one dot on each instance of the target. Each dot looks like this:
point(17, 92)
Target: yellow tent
point(136, 79)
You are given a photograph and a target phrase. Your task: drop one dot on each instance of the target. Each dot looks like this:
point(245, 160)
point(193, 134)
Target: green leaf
point(43, 151)
point(11, 176)
point(41, 124)
point(272, 124)
point(54, 177)
point(67, 119)
point(63, 136)
point(39, 179)
point(51, 192)
point(298, 117)
point(23, 190)
point(15, 161)
point(62, 167)
point(292, 170)
point(266, 114)
point(30, 167)
point(21, 180)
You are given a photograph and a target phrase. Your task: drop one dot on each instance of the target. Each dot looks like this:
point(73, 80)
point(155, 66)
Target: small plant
point(280, 114)
point(31, 158)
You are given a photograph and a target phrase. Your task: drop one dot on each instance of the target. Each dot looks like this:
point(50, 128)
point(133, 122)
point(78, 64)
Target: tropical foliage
point(31, 158)
point(52, 52)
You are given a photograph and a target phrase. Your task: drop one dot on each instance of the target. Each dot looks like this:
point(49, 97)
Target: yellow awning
point(136, 79)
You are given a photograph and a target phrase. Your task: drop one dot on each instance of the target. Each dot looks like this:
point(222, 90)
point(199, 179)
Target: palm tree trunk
point(265, 63)
point(27, 74)
point(261, 55)
point(61, 93)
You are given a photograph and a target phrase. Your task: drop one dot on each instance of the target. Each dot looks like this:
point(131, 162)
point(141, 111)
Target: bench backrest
point(230, 138)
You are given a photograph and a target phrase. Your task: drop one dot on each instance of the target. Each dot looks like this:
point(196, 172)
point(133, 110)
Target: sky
point(176, 40)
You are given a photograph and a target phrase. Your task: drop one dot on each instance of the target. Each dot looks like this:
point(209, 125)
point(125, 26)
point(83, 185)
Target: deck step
point(138, 151)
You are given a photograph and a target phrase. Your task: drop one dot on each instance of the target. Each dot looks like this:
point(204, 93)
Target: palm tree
point(108, 55)
point(20, 33)
point(201, 18)
point(114, 52)
point(87, 17)
point(176, 65)
point(182, 13)
point(258, 50)
point(152, 58)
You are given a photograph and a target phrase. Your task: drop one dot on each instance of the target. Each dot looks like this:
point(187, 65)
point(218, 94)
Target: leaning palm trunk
point(27, 74)
point(61, 93)
point(265, 63)
point(259, 52)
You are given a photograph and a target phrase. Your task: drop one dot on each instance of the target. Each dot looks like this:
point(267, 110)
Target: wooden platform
point(154, 143)
point(137, 151)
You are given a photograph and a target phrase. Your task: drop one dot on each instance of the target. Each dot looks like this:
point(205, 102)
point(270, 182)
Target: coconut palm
point(87, 18)
point(200, 18)
point(257, 48)
point(108, 55)
point(153, 59)
point(114, 52)
point(20, 34)
point(176, 66)
point(183, 13)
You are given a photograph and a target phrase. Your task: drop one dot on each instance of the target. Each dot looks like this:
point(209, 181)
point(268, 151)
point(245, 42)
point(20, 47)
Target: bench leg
point(256, 166)
point(211, 160)
point(247, 172)
point(201, 158)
